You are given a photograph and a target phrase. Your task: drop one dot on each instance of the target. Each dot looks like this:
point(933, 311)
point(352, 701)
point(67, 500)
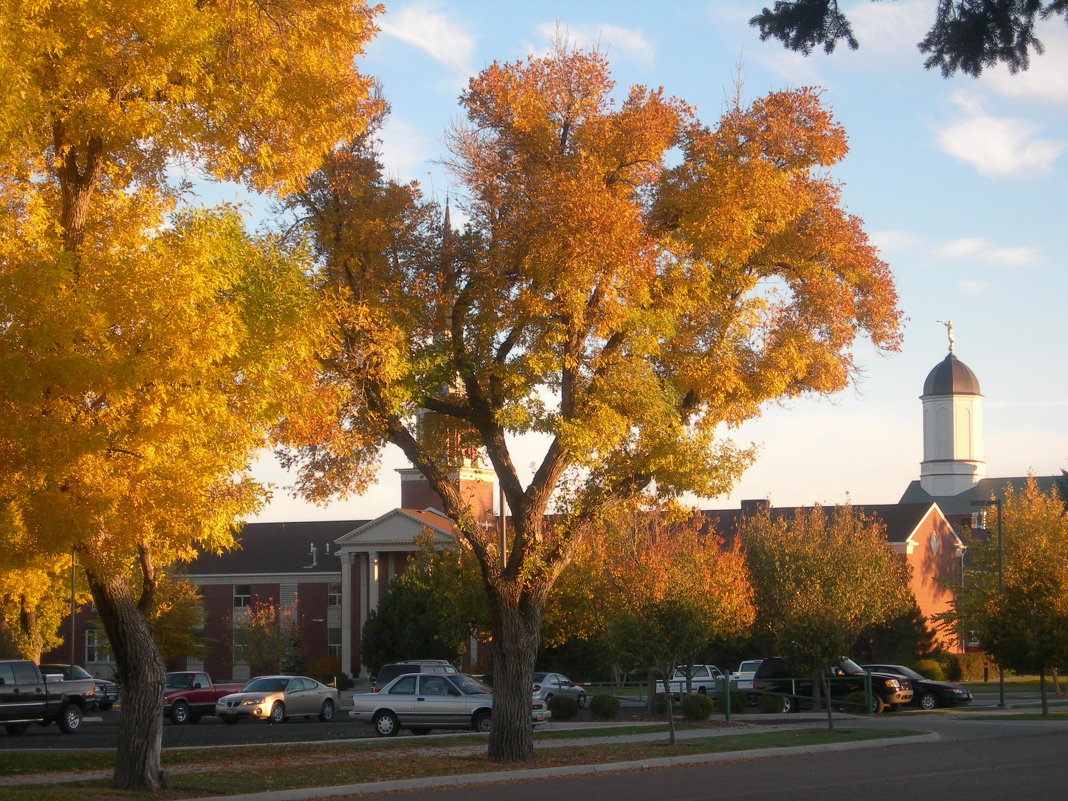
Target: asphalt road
point(101, 730)
point(974, 762)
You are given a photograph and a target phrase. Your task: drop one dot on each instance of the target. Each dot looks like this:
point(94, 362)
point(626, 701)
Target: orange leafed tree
point(146, 350)
point(631, 281)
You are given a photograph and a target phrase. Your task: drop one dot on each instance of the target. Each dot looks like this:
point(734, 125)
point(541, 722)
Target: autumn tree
point(266, 636)
point(967, 36)
point(631, 281)
point(820, 578)
point(1023, 625)
point(662, 587)
point(147, 350)
point(34, 600)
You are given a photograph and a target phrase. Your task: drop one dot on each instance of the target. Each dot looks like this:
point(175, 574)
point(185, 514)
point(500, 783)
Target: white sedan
point(424, 701)
point(277, 698)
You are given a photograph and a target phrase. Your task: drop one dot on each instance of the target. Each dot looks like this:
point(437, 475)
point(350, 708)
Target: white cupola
point(952, 428)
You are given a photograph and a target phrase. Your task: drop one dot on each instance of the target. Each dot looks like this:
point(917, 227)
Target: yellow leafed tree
point(148, 350)
point(624, 309)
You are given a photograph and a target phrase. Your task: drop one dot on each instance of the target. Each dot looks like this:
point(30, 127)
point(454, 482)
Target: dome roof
point(951, 376)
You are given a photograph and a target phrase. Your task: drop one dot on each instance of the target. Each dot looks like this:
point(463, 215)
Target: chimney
point(755, 507)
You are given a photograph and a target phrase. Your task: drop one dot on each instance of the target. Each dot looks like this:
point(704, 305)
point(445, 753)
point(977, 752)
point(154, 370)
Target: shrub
point(661, 703)
point(969, 667)
point(770, 703)
point(696, 706)
point(738, 701)
point(604, 706)
point(563, 707)
point(932, 669)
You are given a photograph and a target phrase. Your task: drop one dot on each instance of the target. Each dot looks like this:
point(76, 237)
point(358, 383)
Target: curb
point(570, 770)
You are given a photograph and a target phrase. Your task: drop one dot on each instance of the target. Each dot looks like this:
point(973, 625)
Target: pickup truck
point(28, 696)
point(190, 695)
point(703, 679)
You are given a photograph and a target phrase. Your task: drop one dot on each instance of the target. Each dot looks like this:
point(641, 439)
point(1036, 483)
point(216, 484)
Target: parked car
point(275, 699)
point(742, 678)
point(702, 679)
point(190, 695)
point(424, 701)
point(927, 693)
point(107, 692)
point(29, 696)
point(388, 673)
point(846, 678)
point(546, 685)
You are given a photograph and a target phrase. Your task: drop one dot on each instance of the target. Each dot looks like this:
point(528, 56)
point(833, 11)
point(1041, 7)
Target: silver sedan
point(424, 701)
point(277, 698)
point(546, 685)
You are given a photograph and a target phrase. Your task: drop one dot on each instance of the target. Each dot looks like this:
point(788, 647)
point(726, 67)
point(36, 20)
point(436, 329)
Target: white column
point(347, 559)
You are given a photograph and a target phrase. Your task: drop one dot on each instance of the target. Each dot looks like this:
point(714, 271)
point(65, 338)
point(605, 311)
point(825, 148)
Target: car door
point(438, 702)
point(27, 691)
point(400, 697)
point(300, 700)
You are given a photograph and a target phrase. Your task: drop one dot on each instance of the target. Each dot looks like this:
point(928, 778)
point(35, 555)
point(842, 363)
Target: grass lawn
point(231, 771)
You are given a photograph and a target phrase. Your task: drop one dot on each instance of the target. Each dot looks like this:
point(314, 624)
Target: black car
point(107, 692)
point(846, 678)
point(928, 693)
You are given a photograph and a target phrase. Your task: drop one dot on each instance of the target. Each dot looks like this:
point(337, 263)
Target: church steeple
point(952, 427)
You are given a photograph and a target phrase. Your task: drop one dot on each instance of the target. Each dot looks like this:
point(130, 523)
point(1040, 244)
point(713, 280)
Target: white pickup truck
point(703, 679)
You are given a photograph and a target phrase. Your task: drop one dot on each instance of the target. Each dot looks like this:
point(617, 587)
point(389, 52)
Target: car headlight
point(893, 684)
point(253, 701)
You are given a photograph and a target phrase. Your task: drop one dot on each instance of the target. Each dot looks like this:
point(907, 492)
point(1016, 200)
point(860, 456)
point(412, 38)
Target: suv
point(845, 676)
point(387, 673)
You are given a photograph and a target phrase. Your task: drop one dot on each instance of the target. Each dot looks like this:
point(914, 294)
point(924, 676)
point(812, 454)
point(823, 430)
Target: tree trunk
point(1042, 692)
point(31, 631)
point(141, 674)
point(826, 684)
point(516, 636)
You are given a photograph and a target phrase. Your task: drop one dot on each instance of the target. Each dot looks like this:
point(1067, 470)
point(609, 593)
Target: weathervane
point(949, 332)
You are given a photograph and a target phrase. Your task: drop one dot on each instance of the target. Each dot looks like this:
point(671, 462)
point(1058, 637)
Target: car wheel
point(326, 714)
point(548, 698)
point(104, 707)
point(878, 705)
point(180, 713)
point(386, 724)
point(702, 691)
point(482, 722)
point(788, 705)
point(70, 718)
point(928, 701)
point(17, 728)
point(581, 700)
point(229, 719)
point(278, 713)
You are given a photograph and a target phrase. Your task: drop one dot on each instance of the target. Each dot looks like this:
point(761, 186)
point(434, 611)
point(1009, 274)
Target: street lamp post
point(996, 503)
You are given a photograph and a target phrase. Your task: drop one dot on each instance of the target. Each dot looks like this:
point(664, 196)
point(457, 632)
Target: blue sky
point(961, 183)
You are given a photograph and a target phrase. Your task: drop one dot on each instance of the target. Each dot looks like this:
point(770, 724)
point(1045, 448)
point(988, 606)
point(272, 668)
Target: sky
point(961, 184)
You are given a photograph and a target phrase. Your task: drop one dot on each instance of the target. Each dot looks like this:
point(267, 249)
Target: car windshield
point(850, 667)
point(539, 678)
point(178, 681)
point(266, 685)
point(468, 684)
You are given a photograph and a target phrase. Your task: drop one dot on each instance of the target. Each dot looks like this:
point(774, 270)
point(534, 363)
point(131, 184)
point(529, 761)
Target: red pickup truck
point(190, 695)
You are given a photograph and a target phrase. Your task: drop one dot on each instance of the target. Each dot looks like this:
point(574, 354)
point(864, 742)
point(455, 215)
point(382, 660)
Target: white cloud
point(609, 39)
point(404, 151)
point(997, 146)
point(891, 241)
point(422, 26)
point(972, 287)
point(797, 69)
point(976, 249)
point(890, 27)
point(1046, 80)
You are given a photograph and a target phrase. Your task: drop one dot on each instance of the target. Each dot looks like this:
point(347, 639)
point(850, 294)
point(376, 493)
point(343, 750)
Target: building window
point(242, 595)
point(97, 648)
point(333, 594)
point(333, 643)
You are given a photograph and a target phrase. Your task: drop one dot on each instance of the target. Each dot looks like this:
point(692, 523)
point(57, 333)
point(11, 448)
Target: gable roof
point(397, 529)
point(271, 548)
point(987, 488)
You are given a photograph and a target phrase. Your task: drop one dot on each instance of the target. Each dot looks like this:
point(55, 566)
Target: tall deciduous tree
point(820, 578)
point(967, 36)
point(145, 356)
point(621, 308)
point(1025, 625)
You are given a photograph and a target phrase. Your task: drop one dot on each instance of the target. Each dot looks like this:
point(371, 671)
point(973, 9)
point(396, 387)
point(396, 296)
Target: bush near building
point(697, 706)
point(604, 706)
